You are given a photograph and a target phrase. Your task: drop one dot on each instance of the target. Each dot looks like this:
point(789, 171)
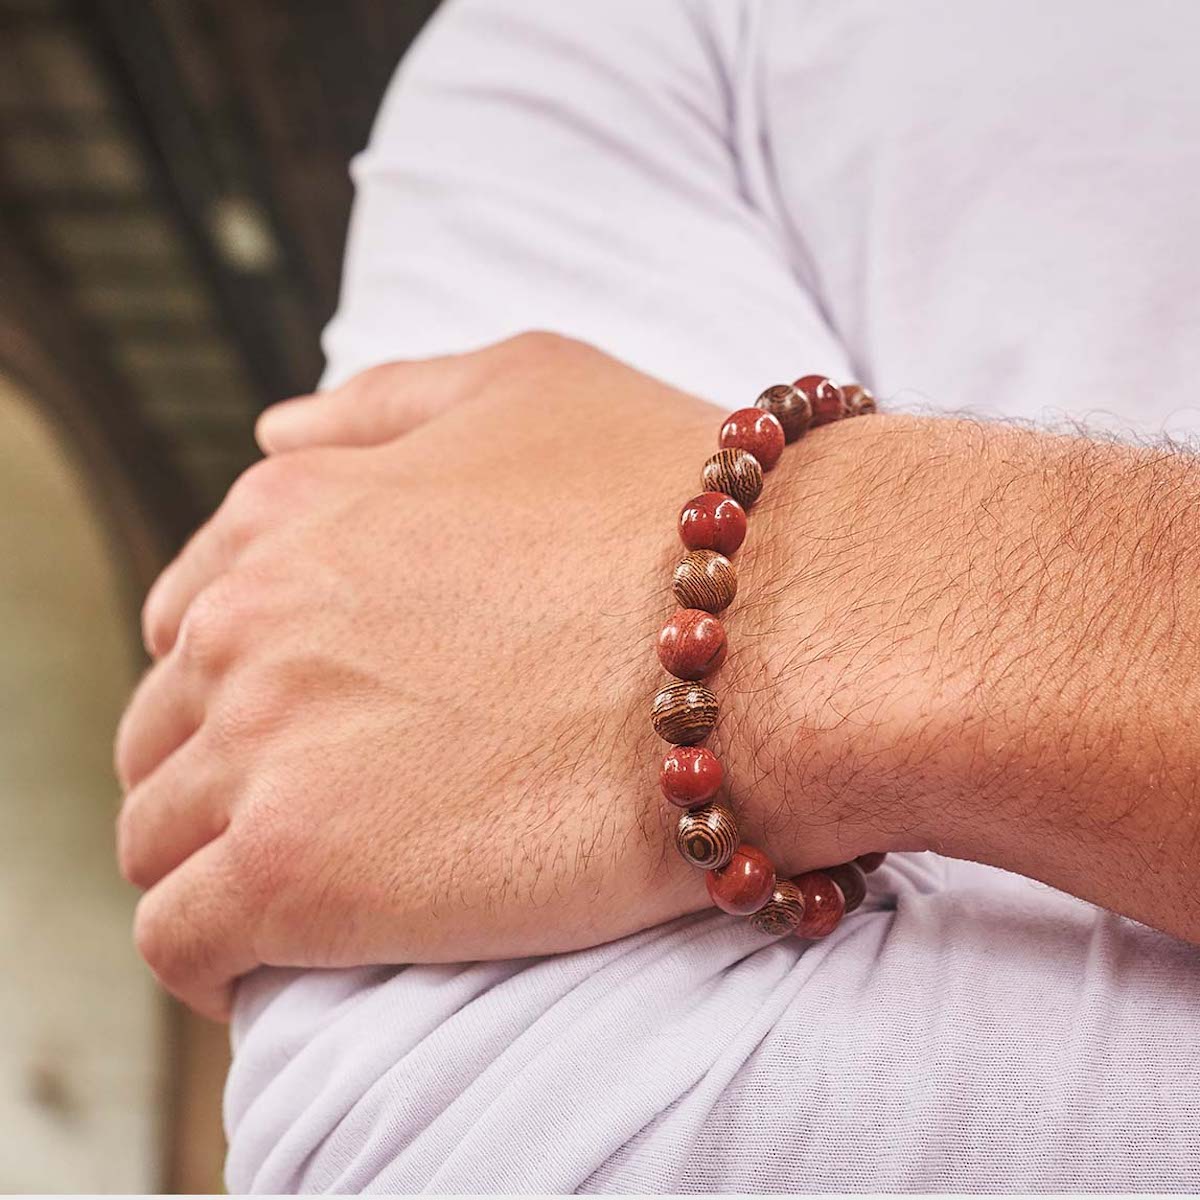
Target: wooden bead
point(690, 775)
point(754, 430)
point(684, 713)
point(745, 884)
point(712, 521)
point(824, 397)
point(870, 862)
point(823, 904)
point(790, 407)
point(704, 579)
point(783, 912)
point(735, 472)
point(692, 643)
point(851, 881)
point(858, 400)
point(707, 837)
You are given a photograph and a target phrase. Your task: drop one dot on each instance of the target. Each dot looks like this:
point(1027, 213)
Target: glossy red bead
point(871, 862)
point(712, 521)
point(851, 882)
point(690, 775)
point(824, 904)
point(754, 430)
point(692, 643)
point(745, 885)
point(828, 403)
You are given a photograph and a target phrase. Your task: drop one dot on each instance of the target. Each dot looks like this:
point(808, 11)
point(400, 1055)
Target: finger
point(262, 498)
point(166, 709)
point(173, 812)
point(374, 406)
point(196, 930)
point(213, 549)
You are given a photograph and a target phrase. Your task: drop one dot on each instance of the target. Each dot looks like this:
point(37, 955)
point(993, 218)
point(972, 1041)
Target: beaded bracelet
point(692, 644)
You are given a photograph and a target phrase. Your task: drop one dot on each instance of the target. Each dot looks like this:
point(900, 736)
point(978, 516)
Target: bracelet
point(692, 644)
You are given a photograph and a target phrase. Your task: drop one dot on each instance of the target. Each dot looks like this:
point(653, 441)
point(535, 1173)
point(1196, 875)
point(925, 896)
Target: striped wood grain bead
point(783, 912)
point(684, 713)
point(736, 472)
point(790, 407)
point(707, 837)
point(704, 579)
point(859, 401)
point(852, 882)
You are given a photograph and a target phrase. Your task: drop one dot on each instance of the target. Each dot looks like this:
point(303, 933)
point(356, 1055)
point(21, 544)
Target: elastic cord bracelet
point(692, 644)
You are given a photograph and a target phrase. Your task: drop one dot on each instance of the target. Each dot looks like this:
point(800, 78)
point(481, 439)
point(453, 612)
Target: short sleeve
point(580, 168)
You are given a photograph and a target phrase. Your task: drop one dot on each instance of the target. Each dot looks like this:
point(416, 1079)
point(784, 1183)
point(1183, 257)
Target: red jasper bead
point(692, 643)
point(871, 862)
point(852, 883)
point(713, 521)
point(828, 403)
point(745, 885)
point(824, 905)
point(690, 775)
point(756, 431)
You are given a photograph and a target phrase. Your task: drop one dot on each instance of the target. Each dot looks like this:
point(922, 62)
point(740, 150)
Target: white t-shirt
point(991, 207)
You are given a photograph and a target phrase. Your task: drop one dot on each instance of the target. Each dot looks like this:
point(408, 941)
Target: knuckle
point(209, 627)
point(540, 343)
point(271, 487)
point(257, 491)
point(173, 942)
point(153, 626)
point(158, 938)
point(371, 381)
point(130, 858)
point(156, 615)
point(248, 712)
point(123, 764)
point(535, 355)
point(267, 844)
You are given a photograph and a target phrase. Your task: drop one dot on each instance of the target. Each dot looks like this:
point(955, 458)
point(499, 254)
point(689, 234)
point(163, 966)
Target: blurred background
point(173, 202)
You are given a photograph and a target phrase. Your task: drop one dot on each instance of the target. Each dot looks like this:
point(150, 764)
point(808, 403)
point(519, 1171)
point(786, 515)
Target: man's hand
point(400, 709)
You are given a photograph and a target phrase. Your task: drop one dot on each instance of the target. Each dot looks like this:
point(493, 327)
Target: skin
point(399, 706)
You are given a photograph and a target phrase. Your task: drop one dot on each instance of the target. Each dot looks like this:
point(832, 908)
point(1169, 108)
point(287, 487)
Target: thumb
point(374, 406)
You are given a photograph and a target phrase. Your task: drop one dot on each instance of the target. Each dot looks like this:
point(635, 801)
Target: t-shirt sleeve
point(586, 169)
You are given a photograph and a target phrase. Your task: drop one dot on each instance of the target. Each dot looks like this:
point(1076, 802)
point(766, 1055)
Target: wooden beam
point(145, 81)
point(55, 354)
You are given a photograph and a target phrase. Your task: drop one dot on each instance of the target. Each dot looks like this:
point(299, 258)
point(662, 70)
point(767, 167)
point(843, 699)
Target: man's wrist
point(902, 655)
point(833, 681)
point(979, 640)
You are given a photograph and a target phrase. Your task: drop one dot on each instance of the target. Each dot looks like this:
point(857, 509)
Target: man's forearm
point(986, 640)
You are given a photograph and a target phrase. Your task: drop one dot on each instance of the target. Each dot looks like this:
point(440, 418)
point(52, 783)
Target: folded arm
point(950, 635)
